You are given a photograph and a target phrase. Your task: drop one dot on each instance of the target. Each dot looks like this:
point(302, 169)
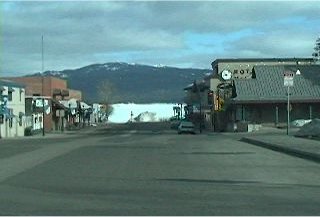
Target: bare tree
point(105, 91)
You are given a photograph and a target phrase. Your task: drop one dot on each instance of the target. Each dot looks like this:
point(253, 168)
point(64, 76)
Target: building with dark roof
point(268, 85)
point(263, 98)
point(254, 85)
point(242, 67)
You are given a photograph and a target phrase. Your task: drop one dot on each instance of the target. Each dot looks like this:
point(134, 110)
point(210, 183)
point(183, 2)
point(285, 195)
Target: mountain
point(133, 82)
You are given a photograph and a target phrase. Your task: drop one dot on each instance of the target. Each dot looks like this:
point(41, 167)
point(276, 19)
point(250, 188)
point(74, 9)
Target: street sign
point(288, 79)
point(39, 103)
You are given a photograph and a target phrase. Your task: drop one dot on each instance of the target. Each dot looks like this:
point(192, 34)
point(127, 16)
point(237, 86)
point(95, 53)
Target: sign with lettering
point(242, 73)
point(288, 79)
point(39, 102)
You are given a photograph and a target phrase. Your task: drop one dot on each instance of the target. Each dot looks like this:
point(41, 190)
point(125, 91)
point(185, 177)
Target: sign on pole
point(288, 82)
point(288, 79)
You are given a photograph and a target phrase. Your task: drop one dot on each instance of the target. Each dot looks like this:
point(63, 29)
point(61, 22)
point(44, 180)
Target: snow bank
point(122, 111)
point(146, 117)
point(310, 129)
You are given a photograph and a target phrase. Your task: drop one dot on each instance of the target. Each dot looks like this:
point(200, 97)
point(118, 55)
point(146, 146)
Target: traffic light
point(218, 103)
point(210, 98)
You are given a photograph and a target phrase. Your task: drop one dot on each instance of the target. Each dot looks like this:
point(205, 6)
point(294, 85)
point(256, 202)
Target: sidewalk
point(299, 147)
point(64, 134)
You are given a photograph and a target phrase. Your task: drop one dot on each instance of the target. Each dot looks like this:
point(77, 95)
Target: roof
point(239, 60)
point(268, 86)
point(9, 83)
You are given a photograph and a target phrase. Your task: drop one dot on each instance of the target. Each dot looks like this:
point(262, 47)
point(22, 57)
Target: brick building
point(47, 86)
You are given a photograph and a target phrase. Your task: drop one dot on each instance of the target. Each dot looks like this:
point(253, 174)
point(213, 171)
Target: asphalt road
point(145, 170)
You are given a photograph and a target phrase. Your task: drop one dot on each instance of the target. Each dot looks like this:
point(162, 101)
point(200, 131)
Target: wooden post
point(243, 113)
point(310, 111)
point(277, 116)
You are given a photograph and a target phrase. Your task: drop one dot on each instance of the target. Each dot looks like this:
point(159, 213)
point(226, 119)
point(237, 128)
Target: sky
point(173, 33)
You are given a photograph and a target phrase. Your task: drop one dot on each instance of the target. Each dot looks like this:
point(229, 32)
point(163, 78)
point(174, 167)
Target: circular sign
point(226, 75)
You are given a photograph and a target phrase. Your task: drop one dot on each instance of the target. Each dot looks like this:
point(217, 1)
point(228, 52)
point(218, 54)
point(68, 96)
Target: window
point(21, 91)
point(10, 96)
point(20, 121)
point(10, 122)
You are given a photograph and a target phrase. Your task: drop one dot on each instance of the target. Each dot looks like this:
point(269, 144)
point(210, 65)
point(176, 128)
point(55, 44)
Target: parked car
point(186, 127)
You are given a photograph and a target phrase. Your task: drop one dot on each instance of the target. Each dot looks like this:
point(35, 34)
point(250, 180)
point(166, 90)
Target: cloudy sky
point(173, 33)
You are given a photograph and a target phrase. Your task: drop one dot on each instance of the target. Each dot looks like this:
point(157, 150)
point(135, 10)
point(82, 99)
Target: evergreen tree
point(316, 54)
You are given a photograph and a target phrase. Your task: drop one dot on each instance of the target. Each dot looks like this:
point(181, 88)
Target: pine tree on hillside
point(316, 54)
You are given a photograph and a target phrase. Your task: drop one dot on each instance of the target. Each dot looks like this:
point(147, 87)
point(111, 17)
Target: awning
point(84, 105)
point(10, 116)
point(70, 104)
point(57, 104)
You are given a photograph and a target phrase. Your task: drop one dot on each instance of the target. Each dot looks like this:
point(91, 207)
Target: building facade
point(12, 113)
point(53, 89)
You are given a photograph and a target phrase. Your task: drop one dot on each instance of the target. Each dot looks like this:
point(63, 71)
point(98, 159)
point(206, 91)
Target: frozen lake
point(122, 111)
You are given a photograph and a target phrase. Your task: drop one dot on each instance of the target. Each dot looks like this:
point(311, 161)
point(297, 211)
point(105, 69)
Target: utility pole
point(42, 70)
point(42, 55)
point(316, 54)
point(1, 112)
point(288, 110)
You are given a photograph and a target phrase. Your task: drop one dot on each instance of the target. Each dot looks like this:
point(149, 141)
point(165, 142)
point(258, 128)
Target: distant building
point(12, 112)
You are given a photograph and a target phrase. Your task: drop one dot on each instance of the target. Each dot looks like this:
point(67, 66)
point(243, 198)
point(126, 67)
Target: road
point(145, 170)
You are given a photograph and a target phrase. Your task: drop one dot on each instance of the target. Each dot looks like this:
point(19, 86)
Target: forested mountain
point(133, 82)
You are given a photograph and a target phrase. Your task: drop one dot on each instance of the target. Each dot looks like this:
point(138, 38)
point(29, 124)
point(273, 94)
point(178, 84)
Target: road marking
point(128, 134)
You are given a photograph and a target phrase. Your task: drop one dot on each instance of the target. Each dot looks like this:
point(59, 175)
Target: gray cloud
point(79, 33)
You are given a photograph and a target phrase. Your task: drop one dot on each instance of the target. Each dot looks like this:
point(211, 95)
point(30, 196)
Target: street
point(146, 170)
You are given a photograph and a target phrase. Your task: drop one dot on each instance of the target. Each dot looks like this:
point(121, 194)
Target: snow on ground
point(122, 111)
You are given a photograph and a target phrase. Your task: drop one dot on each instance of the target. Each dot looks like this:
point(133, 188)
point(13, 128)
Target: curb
point(290, 151)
